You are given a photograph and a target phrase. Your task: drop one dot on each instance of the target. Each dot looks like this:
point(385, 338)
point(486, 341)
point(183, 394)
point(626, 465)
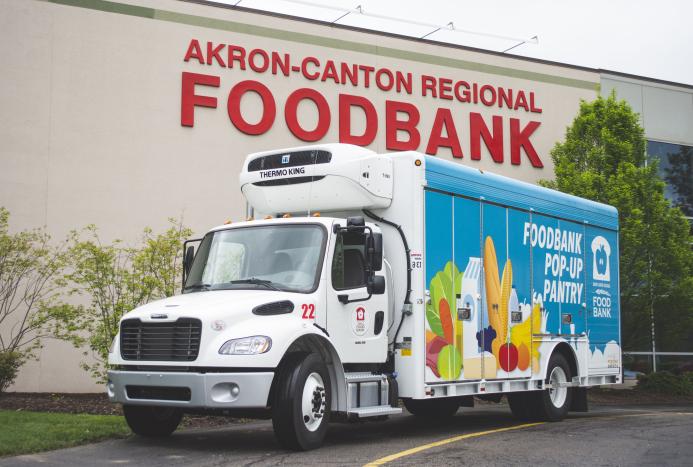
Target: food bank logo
point(601, 253)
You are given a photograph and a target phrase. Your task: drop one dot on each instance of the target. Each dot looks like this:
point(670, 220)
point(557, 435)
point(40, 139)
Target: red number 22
point(308, 311)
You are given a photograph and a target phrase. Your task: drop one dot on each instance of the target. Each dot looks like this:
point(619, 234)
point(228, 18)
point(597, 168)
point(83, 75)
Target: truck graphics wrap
point(505, 282)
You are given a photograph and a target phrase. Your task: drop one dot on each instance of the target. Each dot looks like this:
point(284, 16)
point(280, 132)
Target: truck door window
point(349, 263)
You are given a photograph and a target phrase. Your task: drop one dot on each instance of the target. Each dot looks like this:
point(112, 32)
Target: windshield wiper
point(198, 286)
point(256, 281)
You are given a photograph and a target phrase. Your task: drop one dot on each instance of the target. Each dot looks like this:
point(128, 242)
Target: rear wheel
point(152, 421)
point(432, 408)
point(301, 404)
point(522, 405)
point(552, 404)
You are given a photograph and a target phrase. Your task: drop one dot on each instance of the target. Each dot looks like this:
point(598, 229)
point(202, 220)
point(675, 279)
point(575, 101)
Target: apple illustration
point(508, 357)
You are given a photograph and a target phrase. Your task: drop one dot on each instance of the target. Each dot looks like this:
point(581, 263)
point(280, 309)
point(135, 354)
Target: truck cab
point(291, 294)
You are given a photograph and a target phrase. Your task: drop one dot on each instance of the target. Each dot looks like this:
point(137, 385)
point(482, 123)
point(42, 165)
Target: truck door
point(468, 309)
point(572, 260)
point(356, 322)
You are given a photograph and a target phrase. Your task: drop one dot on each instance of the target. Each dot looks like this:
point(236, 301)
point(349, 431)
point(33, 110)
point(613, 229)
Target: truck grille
point(172, 341)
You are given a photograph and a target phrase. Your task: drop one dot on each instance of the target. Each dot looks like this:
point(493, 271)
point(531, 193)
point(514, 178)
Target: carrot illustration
point(446, 321)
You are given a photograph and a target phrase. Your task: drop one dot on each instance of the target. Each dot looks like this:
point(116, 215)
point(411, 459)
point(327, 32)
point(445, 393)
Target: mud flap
point(579, 403)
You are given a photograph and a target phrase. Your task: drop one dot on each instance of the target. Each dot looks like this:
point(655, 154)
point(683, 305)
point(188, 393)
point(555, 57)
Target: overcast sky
point(649, 38)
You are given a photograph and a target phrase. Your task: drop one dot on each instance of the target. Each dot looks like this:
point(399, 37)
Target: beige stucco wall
point(90, 99)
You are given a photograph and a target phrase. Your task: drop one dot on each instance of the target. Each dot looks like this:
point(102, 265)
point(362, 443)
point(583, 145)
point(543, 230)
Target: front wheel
point(301, 403)
point(152, 421)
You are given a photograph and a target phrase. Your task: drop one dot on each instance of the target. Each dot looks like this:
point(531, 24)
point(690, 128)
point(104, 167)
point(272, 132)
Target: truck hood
point(230, 305)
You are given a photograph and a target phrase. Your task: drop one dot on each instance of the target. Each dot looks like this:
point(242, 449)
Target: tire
point(432, 408)
point(152, 422)
point(552, 405)
point(522, 405)
point(301, 402)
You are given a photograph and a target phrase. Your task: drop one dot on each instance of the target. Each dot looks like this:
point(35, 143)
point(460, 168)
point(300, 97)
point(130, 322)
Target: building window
point(676, 169)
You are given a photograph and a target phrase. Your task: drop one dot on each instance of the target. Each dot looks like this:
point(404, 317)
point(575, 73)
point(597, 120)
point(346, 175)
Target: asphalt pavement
point(486, 435)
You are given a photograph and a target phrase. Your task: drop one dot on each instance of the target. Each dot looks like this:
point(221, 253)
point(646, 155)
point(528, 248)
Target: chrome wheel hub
point(558, 391)
point(313, 402)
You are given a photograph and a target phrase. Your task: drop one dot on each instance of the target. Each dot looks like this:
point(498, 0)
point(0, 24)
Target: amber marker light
point(316, 214)
point(227, 222)
point(417, 162)
point(286, 216)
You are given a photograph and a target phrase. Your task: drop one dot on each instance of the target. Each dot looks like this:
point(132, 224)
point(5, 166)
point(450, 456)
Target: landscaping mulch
point(634, 396)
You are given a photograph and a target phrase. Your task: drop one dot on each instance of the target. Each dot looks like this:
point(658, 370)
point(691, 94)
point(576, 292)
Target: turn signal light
point(316, 214)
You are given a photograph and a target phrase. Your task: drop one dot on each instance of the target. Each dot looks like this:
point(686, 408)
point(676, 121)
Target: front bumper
point(191, 390)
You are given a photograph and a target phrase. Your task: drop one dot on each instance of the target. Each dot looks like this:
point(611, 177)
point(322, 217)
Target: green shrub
point(9, 366)
point(664, 382)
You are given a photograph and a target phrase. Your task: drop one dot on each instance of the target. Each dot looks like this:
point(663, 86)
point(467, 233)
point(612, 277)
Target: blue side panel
point(545, 270)
point(518, 252)
point(572, 277)
point(438, 233)
point(456, 178)
point(603, 304)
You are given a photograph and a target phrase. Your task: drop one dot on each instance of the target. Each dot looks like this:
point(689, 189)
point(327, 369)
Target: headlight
point(110, 348)
point(246, 346)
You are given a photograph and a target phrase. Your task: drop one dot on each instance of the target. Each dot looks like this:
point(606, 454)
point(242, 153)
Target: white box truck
point(368, 279)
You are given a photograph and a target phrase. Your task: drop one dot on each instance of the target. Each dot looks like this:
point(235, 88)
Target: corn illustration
point(497, 296)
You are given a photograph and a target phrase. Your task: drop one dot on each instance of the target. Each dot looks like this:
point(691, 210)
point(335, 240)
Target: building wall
point(666, 110)
point(93, 126)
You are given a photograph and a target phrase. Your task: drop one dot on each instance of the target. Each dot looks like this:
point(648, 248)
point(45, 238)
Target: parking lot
point(486, 435)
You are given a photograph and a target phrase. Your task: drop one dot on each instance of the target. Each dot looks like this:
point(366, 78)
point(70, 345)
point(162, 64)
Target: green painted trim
point(250, 29)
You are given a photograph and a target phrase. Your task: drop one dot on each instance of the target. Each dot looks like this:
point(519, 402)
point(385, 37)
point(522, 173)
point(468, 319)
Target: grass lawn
point(24, 432)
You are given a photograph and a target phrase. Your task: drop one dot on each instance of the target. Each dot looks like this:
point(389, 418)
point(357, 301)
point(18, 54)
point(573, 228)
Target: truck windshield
point(275, 257)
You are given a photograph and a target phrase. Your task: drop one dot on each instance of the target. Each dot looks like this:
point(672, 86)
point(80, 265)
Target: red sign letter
point(444, 120)
point(290, 114)
point(393, 125)
point(494, 143)
point(188, 98)
point(269, 108)
point(346, 102)
point(194, 52)
point(520, 139)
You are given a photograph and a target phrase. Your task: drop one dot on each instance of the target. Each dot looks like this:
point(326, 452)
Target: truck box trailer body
point(419, 279)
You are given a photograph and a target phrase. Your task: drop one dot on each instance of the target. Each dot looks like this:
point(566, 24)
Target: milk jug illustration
point(468, 310)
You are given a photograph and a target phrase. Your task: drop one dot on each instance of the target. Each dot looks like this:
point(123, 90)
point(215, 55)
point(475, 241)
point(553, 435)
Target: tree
point(30, 268)
point(115, 279)
point(603, 158)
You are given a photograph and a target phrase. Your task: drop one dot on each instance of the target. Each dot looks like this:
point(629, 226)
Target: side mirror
point(377, 252)
point(376, 285)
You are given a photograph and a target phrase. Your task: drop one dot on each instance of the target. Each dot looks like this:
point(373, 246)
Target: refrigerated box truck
point(367, 279)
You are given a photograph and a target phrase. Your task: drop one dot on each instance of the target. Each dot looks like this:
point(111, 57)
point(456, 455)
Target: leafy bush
point(30, 271)
point(664, 382)
point(115, 279)
point(9, 366)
